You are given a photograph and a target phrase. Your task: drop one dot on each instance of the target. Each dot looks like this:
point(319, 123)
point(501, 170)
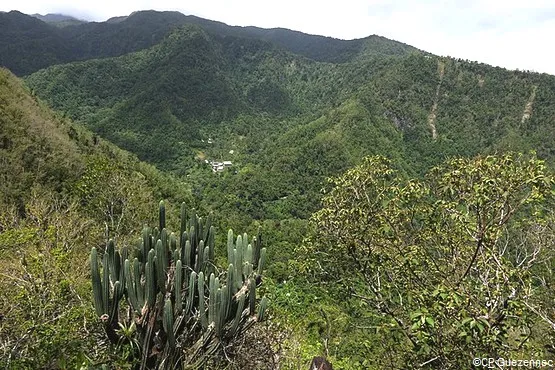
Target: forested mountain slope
point(294, 119)
point(62, 190)
point(40, 148)
point(285, 111)
point(27, 45)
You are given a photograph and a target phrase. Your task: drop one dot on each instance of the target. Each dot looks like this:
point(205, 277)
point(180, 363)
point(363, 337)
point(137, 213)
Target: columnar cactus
point(174, 291)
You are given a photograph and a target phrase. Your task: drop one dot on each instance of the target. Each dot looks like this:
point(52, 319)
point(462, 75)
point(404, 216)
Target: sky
point(515, 34)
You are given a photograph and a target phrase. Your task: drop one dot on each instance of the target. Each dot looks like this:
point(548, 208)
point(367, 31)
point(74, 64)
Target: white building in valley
point(220, 166)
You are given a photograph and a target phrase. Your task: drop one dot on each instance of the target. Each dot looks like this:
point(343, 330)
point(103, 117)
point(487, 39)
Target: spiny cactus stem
point(96, 283)
point(168, 322)
point(162, 215)
point(162, 284)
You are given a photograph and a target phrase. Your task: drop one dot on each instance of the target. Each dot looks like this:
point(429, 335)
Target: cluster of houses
point(218, 166)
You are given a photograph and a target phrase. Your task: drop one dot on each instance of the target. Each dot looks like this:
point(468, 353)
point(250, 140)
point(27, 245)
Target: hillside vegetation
point(63, 190)
point(297, 120)
point(21, 52)
point(435, 255)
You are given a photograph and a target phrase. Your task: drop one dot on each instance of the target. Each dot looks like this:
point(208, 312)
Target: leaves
point(439, 253)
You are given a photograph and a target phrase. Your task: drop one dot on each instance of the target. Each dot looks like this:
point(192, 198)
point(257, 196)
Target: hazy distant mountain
point(59, 20)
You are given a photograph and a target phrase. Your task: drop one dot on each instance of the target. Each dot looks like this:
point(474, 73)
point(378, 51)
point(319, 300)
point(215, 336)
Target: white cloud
point(508, 33)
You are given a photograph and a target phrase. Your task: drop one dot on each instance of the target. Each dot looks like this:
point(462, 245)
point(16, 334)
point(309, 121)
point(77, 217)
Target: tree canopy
point(453, 265)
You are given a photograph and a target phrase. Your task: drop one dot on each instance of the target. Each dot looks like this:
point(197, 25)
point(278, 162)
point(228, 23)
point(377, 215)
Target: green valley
point(401, 225)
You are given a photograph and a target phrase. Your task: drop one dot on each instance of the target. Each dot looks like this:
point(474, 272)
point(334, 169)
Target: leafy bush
point(452, 265)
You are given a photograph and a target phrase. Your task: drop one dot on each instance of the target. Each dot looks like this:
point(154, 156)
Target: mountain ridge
point(58, 19)
point(284, 124)
point(46, 149)
point(256, 99)
point(143, 29)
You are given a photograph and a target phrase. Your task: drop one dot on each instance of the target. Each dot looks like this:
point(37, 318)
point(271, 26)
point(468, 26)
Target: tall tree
point(454, 264)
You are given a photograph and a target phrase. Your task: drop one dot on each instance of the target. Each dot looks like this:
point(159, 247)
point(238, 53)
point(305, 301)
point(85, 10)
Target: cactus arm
point(262, 261)
point(211, 298)
point(162, 215)
point(161, 266)
point(252, 296)
point(182, 241)
point(106, 283)
point(164, 238)
point(118, 293)
point(230, 286)
point(178, 276)
point(205, 259)
point(150, 281)
point(173, 242)
point(218, 312)
point(187, 260)
point(131, 291)
point(202, 309)
point(262, 309)
point(193, 242)
point(200, 256)
point(168, 322)
point(116, 269)
point(145, 243)
point(238, 314)
point(96, 284)
point(191, 295)
point(139, 290)
point(230, 247)
point(183, 222)
point(248, 254)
